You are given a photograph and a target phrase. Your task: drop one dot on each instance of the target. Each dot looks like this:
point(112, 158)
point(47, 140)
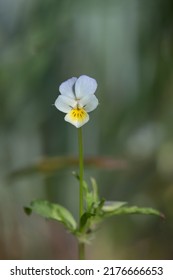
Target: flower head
point(77, 99)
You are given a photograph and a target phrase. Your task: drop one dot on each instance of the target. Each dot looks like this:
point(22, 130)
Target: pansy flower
point(77, 99)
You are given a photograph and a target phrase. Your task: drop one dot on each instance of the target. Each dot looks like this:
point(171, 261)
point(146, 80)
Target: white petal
point(84, 86)
point(89, 102)
point(77, 121)
point(67, 87)
point(65, 104)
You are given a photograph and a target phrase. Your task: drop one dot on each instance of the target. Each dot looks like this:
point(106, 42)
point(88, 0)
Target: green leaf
point(133, 210)
point(110, 206)
point(95, 190)
point(91, 197)
point(90, 219)
point(84, 219)
point(53, 211)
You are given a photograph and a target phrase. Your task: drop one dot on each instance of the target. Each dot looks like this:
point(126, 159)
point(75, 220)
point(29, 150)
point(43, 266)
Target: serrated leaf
point(54, 211)
point(110, 206)
point(133, 210)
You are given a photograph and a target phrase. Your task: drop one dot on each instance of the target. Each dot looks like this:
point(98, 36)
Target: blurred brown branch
point(51, 165)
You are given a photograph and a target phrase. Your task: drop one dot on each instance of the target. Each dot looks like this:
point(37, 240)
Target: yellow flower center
point(78, 114)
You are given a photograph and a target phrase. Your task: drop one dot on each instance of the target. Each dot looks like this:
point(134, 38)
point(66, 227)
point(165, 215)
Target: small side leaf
point(76, 175)
point(53, 211)
point(94, 190)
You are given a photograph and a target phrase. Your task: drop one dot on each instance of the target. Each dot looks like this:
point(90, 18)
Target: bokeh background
point(127, 46)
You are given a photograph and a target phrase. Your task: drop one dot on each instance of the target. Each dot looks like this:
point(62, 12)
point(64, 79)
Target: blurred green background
point(127, 46)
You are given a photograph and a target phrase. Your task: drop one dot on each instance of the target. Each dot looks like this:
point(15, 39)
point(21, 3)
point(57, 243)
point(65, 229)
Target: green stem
point(81, 251)
point(81, 200)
